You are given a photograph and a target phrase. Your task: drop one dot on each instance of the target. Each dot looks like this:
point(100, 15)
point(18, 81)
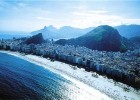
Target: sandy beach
point(100, 84)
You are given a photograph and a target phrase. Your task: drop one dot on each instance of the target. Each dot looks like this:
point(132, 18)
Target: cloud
point(79, 7)
point(35, 14)
point(131, 21)
point(22, 25)
point(95, 18)
point(98, 11)
point(22, 4)
point(42, 18)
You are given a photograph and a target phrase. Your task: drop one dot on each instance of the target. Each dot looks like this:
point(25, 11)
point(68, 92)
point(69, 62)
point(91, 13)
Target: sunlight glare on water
point(20, 79)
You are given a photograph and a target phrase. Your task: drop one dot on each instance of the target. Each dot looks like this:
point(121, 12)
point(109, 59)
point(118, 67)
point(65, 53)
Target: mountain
point(129, 31)
point(135, 39)
point(51, 32)
point(36, 39)
point(71, 32)
point(47, 32)
point(134, 43)
point(104, 38)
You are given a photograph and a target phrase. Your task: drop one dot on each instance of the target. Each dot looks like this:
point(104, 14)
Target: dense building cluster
point(124, 67)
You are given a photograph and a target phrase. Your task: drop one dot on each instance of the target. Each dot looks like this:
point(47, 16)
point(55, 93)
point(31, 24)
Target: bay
point(20, 79)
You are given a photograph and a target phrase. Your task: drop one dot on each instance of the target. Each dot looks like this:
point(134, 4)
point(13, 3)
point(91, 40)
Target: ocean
point(20, 79)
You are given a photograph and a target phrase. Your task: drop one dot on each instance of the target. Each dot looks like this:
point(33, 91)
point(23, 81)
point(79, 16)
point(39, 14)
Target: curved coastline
point(106, 86)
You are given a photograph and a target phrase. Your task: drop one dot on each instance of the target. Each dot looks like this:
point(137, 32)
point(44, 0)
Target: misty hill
point(51, 32)
point(135, 39)
point(134, 43)
point(104, 38)
point(47, 32)
point(36, 39)
point(129, 31)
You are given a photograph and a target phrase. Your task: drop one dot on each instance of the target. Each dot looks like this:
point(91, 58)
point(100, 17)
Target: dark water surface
point(20, 79)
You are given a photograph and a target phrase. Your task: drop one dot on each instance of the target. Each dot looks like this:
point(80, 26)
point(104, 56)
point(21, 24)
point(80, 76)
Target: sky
point(30, 15)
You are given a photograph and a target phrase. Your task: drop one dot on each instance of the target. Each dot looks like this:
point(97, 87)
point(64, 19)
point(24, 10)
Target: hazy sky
point(29, 15)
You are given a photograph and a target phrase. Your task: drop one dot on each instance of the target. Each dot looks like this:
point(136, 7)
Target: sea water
point(20, 79)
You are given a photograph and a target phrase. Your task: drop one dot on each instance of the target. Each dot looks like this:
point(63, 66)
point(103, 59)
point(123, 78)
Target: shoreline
point(109, 87)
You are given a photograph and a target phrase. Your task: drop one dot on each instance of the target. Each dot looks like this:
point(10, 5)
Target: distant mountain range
point(68, 32)
point(129, 31)
point(103, 38)
point(51, 32)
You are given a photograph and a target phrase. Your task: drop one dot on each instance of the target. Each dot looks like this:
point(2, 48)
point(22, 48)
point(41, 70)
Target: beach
point(91, 80)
